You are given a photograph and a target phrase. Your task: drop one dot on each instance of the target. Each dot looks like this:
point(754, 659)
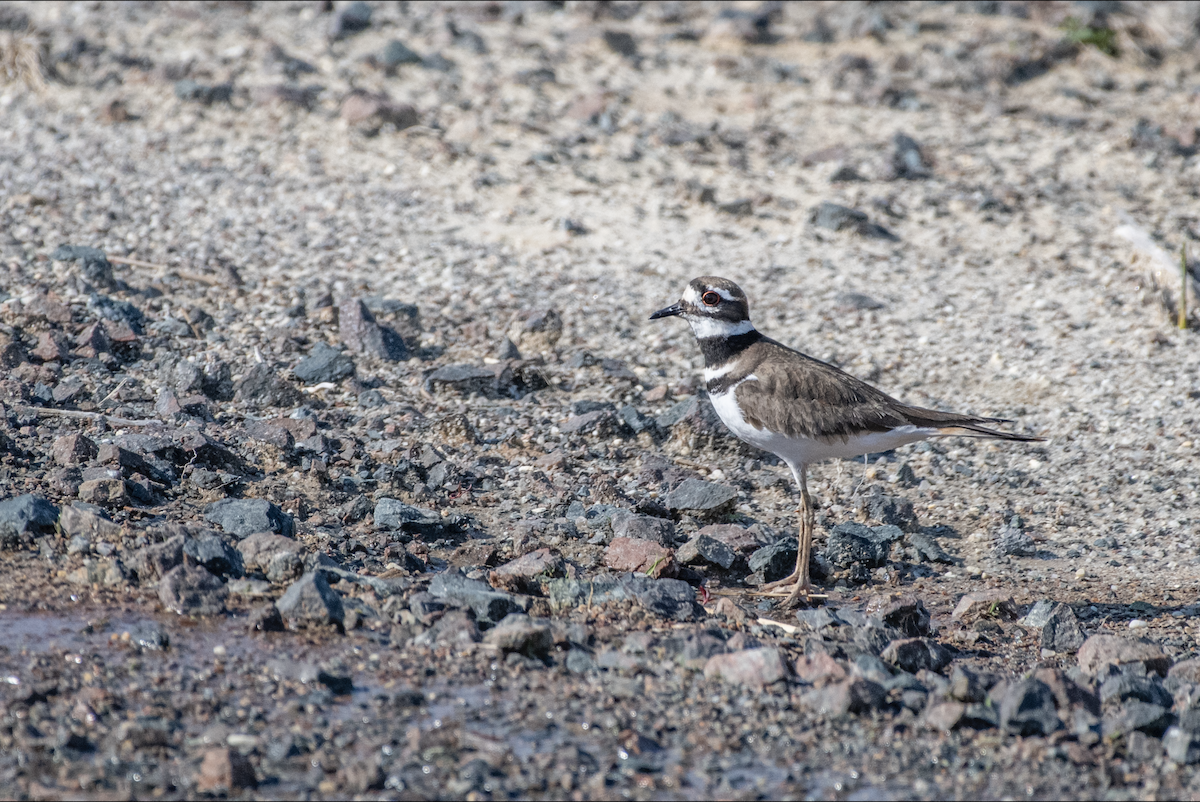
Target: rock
point(840, 218)
point(743, 541)
point(310, 601)
point(108, 492)
point(700, 498)
point(26, 515)
point(819, 618)
point(1061, 631)
point(154, 562)
point(85, 520)
point(243, 517)
point(753, 667)
point(985, 604)
point(1123, 687)
point(1028, 708)
point(225, 770)
point(968, 686)
point(853, 695)
point(644, 527)
point(1186, 671)
point(455, 628)
point(517, 575)
point(819, 669)
point(191, 590)
point(324, 363)
point(214, 554)
point(396, 515)
point(260, 549)
point(463, 380)
point(907, 159)
point(892, 510)
point(944, 716)
point(540, 332)
point(350, 19)
point(905, 612)
point(928, 549)
point(776, 561)
point(362, 335)
point(704, 549)
point(108, 573)
point(670, 598)
point(1101, 653)
point(263, 386)
point(855, 544)
point(917, 654)
point(1011, 540)
point(621, 42)
point(73, 449)
point(517, 632)
point(1136, 715)
point(490, 606)
point(208, 94)
point(265, 619)
point(639, 556)
point(1183, 747)
point(395, 54)
point(285, 566)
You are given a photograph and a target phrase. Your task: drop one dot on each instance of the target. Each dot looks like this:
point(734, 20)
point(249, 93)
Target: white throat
point(706, 327)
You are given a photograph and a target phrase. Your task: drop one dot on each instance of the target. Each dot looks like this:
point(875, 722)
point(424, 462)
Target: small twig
point(124, 260)
point(1183, 278)
point(116, 390)
point(188, 275)
point(75, 413)
point(788, 628)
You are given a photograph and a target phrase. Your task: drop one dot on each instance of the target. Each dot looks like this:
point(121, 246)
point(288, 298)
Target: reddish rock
point(640, 557)
point(92, 340)
point(167, 404)
point(73, 449)
point(985, 604)
point(225, 770)
point(517, 574)
point(819, 669)
point(753, 667)
point(103, 491)
point(361, 108)
point(118, 331)
point(1100, 652)
point(853, 695)
point(944, 716)
point(49, 347)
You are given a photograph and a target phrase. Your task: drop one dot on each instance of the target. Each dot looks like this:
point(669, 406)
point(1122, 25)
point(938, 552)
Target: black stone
point(242, 517)
point(214, 554)
point(777, 560)
point(324, 363)
point(1028, 708)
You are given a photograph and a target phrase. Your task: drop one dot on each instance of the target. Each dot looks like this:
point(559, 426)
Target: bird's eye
point(710, 298)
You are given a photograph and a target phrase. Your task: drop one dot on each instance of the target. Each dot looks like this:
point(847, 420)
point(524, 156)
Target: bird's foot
point(772, 587)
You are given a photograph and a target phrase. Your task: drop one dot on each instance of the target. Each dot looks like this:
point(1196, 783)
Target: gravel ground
point(340, 458)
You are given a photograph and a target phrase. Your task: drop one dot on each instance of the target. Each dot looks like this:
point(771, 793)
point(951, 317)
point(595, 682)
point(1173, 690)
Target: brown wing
point(835, 404)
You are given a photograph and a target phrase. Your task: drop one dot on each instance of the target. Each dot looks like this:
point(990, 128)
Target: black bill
point(670, 311)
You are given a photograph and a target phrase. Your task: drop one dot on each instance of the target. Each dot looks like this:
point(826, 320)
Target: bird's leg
point(808, 520)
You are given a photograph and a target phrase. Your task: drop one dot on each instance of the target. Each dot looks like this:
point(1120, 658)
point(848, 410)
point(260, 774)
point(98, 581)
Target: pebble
point(191, 590)
point(644, 527)
point(27, 515)
point(1101, 653)
point(324, 363)
point(776, 561)
point(907, 159)
point(905, 612)
point(243, 517)
point(73, 449)
point(985, 604)
point(705, 549)
point(640, 556)
point(398, 516)
point(263, 386)
point(1136, 715)
point(841, 218)
point(819, 669)
point(225, 770)
point(107, 492)
point(1028, 708)
point(917, 654)
point(265, 618)
point(490, 606)
point(701, 498)
point(214, 554)
point(517, 632)
point(310, 601)
point(752, 667)
point(851, 543)
point(852, 695)
point(362, 335)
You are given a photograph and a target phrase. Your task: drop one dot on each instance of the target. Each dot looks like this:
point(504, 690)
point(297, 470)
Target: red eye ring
point(711, 298)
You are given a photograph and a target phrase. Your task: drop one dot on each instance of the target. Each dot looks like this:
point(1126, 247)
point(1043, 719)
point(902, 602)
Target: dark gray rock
point(670, 598)
point(1062, 632)
point(25, 516)
point(701, 498)
point(892, 510)
point(518, 632)
point(362, 335)
point(635, 420)
point(350, 19)
point(854, 543)
point(463, 380)
point(324, 363)
point(906, 613)
point(192, 590)
point(819, 618)
point(214, 554)
point(969, 686)
point(916, 654)
point(705, 549)
point(1136, 715)
point(928, 549)
point(153, 562)
point(263, 386)
point(907, 158)
point(1123, 687)
point(242, 517)
point(644, 527)
point(396, 53)
point(777, 560)
point(310, 601)
point(840, 218)
point(396, 515)
point(338, 684)
point(1183, 747)
point(1028, 708)
point(1011, 540)
point(621, 42)
point(490, 606)
point(266, 618)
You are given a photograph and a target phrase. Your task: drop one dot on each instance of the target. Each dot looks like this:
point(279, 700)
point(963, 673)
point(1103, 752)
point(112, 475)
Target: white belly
point(797, 451)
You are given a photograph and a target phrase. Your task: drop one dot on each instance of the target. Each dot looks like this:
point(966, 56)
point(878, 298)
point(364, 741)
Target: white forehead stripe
point(690, 295)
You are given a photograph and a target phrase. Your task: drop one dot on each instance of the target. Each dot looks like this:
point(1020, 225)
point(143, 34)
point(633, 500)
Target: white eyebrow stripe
point(723, 293)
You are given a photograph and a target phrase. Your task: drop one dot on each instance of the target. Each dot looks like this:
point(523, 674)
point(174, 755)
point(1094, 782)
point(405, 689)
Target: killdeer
point(799, 408)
